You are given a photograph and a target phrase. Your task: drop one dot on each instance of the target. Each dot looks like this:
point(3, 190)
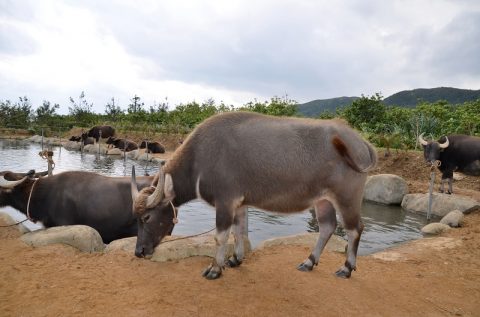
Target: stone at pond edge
point(435, 228)
point(335, 244)
point(453, 219)
point(441, 203)
point(84, 238)
point(385, 189)
point(8, 220)
point(175, 250)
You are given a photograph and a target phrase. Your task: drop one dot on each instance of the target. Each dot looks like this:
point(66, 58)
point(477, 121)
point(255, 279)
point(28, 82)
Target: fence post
point(125, 150)
point(49, 159)
point(81, 143)
point(42, 139)
point(99, 138)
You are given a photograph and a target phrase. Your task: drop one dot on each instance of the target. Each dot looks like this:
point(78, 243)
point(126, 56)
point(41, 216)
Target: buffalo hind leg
point(354, 228)
point(327, 222)
point(224, 220)
point(239, 235)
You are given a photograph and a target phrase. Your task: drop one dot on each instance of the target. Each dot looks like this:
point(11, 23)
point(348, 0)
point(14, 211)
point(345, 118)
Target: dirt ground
point(58, 280)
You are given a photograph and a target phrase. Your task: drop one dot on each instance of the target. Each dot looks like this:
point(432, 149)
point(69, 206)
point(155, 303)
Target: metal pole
point(146, 148)
point(430, 192)
point(125, 150)
point(81, 143)
point(42, 139)
point(99, 138)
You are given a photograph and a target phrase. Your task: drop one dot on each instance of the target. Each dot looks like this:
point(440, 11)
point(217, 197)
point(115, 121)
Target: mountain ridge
point(404, 98)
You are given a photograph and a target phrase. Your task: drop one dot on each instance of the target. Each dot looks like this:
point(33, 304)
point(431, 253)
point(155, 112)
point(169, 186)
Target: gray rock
point(84, 238)
point(453, 219)
point(172, 249)
point(441, 203)
point(335, 243)
point(385, 189)
point(435, 228)
point(8, 220)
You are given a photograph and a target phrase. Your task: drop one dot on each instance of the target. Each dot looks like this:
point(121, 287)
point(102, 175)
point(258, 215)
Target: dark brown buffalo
point(75, 138)
point(74, 198)
point(239, 159)
point(153, 147)
point(105, 131)
point(122, 144)
point(454, 152)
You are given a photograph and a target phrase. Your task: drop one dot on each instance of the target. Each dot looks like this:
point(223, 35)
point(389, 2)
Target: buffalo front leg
point(239, 235)
point(327, 222)
point(224, 220)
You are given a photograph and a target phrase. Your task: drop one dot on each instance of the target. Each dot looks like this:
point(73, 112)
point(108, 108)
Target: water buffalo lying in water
point(122, 144)
point(74, 198)
point(75, 138)
point(239, 159)
point(105, 131)
point(153, 147)
point(86, 139)
point(455, 153)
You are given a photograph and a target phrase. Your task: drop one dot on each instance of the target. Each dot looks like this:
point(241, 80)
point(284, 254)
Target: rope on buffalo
point(191, 236)
point(14, 224)
point(430, 191)
point(175, 221)
point(28, 203)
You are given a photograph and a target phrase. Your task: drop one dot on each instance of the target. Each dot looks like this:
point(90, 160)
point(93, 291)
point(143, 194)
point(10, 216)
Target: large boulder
point(336, 243)
point(442, 204)
point(386, 189)
point(453, 219)
point(82, 237)
point(8, 220)
point(72, 145)
point(177, 247)
point(115, 151)
point(435, 228)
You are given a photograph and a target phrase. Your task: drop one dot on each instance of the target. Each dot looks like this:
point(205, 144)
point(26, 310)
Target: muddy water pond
point(385, 226)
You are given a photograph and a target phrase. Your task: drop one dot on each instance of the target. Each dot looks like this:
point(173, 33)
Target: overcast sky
point(233, 51)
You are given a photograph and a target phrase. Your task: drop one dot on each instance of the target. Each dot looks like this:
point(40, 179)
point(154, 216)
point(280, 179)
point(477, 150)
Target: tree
point(135, 106)
point(366, 113)
point(112, 111)
point(81, 110)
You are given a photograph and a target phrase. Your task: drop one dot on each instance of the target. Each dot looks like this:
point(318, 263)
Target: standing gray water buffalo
point(152, 147)
point(455, 153)
point(70, 198)
point(239, 159)
point(122, 144)
point(106, 132)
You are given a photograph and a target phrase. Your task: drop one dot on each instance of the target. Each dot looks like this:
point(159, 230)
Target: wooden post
point(50, 159)
point(99, 138)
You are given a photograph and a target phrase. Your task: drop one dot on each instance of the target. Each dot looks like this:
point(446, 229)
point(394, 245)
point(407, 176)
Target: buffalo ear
point(168, 188)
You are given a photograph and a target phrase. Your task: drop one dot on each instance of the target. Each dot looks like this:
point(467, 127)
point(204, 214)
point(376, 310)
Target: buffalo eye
point(146, 218)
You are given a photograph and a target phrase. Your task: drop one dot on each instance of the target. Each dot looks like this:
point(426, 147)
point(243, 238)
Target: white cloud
point(233, 51)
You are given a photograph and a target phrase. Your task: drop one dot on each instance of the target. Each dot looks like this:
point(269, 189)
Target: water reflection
point(384, 225)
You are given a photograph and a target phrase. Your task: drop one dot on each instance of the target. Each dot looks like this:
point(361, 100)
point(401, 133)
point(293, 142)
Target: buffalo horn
point(156, 197)
point(444, 144)
point(421, 140)
point(10, 184)
point(133, 185)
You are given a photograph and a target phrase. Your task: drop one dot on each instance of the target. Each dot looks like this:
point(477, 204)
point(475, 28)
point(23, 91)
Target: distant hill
point(410, 98)
point(406, 98)
point(315, 107)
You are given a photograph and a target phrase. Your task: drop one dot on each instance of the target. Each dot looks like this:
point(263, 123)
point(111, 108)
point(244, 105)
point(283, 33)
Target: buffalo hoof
point(212, 272)
point(304, 267)
point(343, 273)
point(233, 261)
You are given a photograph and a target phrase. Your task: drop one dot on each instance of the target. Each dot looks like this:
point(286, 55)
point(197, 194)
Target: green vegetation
point(384, 125)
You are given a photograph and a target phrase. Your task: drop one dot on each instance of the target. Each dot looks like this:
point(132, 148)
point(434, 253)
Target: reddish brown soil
point(61, 281)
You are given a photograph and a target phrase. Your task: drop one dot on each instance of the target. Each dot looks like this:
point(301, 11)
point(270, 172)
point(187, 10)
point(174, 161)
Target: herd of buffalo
point(107, 132)
point(232, 161)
